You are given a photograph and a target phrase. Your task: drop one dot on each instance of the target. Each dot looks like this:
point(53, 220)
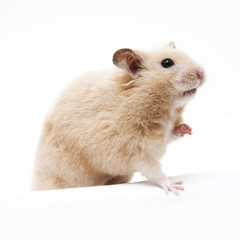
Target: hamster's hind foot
point(119, 179)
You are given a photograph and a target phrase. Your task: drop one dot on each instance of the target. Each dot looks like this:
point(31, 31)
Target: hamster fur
point(107, 125)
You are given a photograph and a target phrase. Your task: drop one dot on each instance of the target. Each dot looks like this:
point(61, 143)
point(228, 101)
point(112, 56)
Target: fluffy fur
point(107, 125)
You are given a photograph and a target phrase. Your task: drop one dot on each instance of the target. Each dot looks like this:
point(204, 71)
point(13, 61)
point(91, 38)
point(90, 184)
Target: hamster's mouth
point(190, 92)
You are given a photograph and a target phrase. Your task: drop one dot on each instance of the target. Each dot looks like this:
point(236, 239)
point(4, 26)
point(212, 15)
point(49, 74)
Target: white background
point(45, 44)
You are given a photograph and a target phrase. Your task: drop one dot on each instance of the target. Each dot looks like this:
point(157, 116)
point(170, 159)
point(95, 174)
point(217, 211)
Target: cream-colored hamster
point(109, 124)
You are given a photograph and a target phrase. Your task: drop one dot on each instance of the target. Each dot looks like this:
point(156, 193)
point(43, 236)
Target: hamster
point(107, 125)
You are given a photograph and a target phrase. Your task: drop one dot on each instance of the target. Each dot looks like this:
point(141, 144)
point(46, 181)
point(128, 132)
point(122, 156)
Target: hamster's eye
point(166, 63)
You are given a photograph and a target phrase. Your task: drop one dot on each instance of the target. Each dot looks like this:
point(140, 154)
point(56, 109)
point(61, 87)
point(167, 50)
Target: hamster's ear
point(172, 44)
point(127, 60)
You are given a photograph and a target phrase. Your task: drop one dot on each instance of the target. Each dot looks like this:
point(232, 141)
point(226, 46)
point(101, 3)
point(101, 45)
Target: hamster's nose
point(200, 74)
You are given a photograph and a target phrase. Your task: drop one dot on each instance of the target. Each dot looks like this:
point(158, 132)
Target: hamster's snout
point(200, 75)
point(193, 80)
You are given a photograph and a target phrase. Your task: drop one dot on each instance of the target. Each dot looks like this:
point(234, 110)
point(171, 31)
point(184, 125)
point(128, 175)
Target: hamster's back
point(79, 118)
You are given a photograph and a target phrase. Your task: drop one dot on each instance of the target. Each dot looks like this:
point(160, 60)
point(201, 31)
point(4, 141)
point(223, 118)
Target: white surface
point(207, 209)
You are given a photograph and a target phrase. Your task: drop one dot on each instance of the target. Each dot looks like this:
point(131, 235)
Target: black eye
point(166, 63)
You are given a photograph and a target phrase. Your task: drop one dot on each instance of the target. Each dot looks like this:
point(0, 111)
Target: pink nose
point(200, 74)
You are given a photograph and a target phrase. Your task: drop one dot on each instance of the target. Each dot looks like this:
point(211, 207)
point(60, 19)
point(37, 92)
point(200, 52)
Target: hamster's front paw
point(181, 130)
point(168, 185)
point(157, 177)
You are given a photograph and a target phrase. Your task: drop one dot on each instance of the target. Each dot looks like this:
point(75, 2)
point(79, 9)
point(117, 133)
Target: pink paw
point(168, 185)
point(182, 129)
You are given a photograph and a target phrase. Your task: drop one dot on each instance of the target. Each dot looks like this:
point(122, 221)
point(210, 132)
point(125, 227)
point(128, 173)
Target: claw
point(179, 188)
point(178, 183)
